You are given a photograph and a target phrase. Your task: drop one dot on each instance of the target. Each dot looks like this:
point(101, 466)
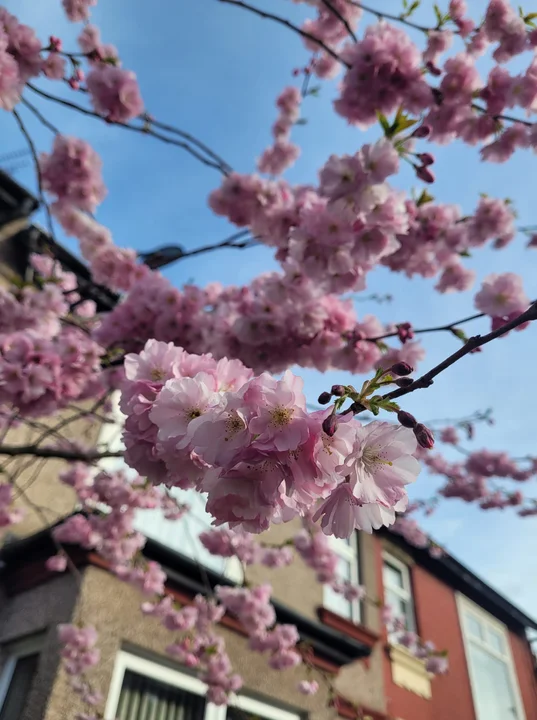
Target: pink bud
point(422, 131)
point(324, 398)
point(74, 84)
point(55, 44)
point(401, 368)
point(338, 390)
point(330, 425)
point(426, 158)
point(406, 419)
point(424, 436)
point(424, 174)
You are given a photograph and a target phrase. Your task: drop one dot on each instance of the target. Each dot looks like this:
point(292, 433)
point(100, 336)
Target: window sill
point(409, 672)
point(347, 627)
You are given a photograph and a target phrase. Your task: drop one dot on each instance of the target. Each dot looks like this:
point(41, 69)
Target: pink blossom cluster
point(111, 266)
point(20, 58)
point(251, 445)
point(503, 298)
point(114, 93)
point(96, 51)
point(282, 153)
point(9, 515)
point(78, 10)
point(72, 172)
point(435, 662)
point(229, 543)
point(385, 73)
point(200, 647)
point(79, 655)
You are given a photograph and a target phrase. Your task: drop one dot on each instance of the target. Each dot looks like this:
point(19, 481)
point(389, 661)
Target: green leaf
point(530, 17)
point(438, 13)
point(424, 198)
point(383, 120)
point(465, 253)
point(459, 334)
point(314, 91)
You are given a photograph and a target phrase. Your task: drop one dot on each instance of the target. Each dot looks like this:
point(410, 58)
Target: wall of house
point(114, 608)
point(437, 619)
point(38, 611)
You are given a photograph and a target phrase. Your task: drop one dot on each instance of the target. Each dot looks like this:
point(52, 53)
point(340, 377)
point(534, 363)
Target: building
point(491, 674)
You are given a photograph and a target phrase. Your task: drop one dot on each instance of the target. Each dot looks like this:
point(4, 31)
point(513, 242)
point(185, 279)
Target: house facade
point(491, 674)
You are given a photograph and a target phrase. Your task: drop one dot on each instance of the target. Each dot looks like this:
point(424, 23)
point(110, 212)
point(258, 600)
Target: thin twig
point(35, 157)
point(438, 328)
point(45, 452)
point(340, 17)
point(286, 23)
point(169, 254)
point(40, 116)
point(472, 344)
point(192, 139)
point(381, 15)
point(145, 130)
point(507, 118)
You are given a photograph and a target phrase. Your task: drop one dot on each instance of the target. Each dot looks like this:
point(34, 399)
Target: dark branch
point(42, 119)
point(472, 344)
point(340, 17)
point(438, 328)
point(33, 151)
point(381, 15)
point(286, 23)
point(163, 256)
point(45, 452)
point(142, 130)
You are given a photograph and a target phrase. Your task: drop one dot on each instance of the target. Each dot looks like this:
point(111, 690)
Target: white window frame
point(405, 593)
point(17, 650)
point(176, 678)
point(466, 606)
point(349, 553)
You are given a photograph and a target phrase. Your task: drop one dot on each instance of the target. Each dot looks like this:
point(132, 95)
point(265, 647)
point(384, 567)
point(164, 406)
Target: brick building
point(491, 674)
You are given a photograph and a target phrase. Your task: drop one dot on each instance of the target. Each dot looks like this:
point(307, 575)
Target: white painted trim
point(465, 604)
point(405, 593)
point(349, 553)
point(147, 668)
point(260, 708)
point(176, 678)
point(20, 649)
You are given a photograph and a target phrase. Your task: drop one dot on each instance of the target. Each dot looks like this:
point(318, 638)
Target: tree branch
point(163, 256)
point(144, 130)
point(472, 344)
point(40, 117)
point(33, 151)
point(44, 452)
point(438, 328)
point(286, 23)
point(381, 15)
point(340, 17)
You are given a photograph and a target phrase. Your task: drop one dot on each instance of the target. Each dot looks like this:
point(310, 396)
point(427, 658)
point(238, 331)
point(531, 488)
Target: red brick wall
point(438, 620)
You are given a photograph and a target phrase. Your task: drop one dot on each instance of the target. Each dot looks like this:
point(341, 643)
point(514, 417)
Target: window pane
point(393, 577)
point(143, 698)
point(337, 603)
point(182, 535)
point(494, 693)
point(495, 640)
point(19, 688)
point(474, 626)
point(401, 609)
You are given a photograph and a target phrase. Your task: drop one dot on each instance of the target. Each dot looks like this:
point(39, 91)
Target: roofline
point(461, 578)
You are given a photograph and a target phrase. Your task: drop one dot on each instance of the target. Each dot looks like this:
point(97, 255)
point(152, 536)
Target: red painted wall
point(438, 620)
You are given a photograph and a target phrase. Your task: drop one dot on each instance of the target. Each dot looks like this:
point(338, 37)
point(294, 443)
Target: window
point(182, 535)
point(347, 569)
point(398, 590)
point(142, 689)
point(492, 677)
point(17, 676)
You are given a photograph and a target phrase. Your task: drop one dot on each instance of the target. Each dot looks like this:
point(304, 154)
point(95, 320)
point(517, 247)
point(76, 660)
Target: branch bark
point(58, 453)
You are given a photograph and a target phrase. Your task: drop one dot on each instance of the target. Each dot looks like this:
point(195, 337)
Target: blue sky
point(215, 70)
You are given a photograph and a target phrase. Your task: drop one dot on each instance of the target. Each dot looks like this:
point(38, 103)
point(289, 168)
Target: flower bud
point(401, 368)
point(324, 398)
point(330, 425)
point(406, 419)
point(424, 436)
point(55, 44)
point(338, 390)
point(424, 174)
point(425, 159)
point(422, 131)
point(404, 382)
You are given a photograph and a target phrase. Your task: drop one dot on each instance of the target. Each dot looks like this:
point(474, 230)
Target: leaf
point(383, 120)
point(465, 253)
point(459, 334)
point(302, 121)
point(315, 90)
point(439, 15)
point(404, 123)
point(424, 198)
